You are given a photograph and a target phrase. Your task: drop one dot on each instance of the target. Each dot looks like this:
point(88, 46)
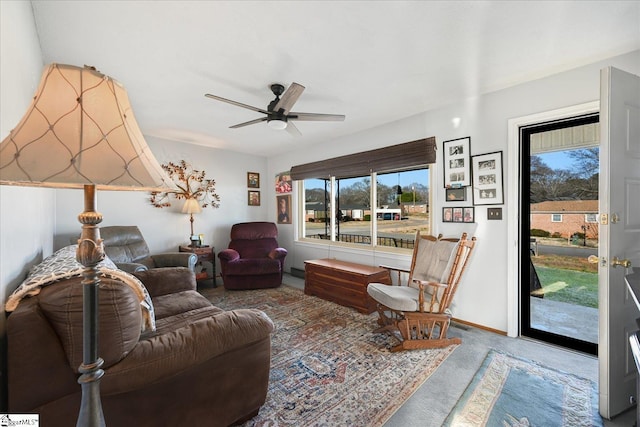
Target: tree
point(587, 161)
point(357, 194)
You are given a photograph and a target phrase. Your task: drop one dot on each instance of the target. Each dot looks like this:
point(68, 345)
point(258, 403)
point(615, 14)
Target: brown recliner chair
point(253, 259)
point(126, 247)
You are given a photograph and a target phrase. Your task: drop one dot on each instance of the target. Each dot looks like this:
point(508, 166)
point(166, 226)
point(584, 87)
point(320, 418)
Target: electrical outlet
point(494, 213)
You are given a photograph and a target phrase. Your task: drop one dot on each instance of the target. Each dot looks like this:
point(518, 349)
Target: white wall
point(27, 215)
point(166, 228)
point(482, 297)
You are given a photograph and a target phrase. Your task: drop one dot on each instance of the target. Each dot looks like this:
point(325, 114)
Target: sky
point(557, 160)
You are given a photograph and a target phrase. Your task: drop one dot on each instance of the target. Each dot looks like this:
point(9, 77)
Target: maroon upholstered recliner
point(253, 259)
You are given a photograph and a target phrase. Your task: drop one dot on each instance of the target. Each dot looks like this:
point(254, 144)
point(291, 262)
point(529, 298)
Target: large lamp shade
point(80, 132)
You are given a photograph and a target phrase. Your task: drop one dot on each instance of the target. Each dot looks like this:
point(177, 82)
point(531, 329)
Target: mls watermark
point(9, 420)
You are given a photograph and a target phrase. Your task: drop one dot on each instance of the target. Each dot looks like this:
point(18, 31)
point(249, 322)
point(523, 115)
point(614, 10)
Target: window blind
point(414, 154)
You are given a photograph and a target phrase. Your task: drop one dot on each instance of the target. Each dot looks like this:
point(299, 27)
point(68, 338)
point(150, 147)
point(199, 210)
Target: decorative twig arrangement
point(191, 184)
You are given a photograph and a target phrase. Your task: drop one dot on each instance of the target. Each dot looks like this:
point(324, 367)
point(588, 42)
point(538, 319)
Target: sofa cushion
point(167, 280)
point(63, 265)
point(179, 302)
point(119, 322)
point(181, 347)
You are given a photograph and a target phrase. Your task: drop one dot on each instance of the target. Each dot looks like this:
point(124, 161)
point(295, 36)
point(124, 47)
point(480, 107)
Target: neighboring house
point(566, 217)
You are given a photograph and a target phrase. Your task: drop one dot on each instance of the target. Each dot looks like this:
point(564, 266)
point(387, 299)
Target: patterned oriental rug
point(508, 391)
point(327, 366)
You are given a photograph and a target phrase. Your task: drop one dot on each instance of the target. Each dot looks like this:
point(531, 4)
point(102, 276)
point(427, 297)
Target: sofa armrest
point(165, 355)
point(278, 253)
point(167, 280)
point(131, 267)
point(175, 259)
point(228, 255)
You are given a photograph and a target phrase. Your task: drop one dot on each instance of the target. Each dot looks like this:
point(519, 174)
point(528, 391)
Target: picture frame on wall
point(456, 166)
point(283, 182)
point(468, 214)
point(487, 179)
point(456, 194)
point(254, 198)
point(253, 180)
point(461, 214)
point(447, 214)
point(457, 214)
point(283, 204)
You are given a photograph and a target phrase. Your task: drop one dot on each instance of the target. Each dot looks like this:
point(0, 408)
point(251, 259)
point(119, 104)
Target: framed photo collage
point(482, 173)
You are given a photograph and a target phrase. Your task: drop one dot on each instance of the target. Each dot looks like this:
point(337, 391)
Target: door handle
point(622, 262)
point(593, 259)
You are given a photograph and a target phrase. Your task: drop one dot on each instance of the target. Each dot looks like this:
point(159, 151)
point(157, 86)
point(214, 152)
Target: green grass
point(573, 287)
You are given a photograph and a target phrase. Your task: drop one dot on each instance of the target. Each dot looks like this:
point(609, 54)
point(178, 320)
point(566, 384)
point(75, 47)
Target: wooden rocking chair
point(417, 313)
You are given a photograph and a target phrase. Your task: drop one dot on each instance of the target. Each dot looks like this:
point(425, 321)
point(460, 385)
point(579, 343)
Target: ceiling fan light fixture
point(277, 124)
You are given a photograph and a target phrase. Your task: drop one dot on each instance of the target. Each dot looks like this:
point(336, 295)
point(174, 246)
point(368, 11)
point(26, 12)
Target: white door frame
point(513, 200)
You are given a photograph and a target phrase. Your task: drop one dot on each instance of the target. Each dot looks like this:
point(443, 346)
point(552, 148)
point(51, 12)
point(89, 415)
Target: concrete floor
point(432, 402)
point(570, 320)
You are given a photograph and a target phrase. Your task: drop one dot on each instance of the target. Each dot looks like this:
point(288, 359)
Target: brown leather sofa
point(126, 247)
point(202, 366)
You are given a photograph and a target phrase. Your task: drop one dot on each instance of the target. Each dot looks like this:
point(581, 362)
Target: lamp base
point(90, 253)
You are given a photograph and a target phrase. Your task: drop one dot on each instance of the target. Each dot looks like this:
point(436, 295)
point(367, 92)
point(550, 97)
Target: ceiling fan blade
point(251, 122)
point(316, 117)
point(239, 104)
point(289, 97)
point(292, 129)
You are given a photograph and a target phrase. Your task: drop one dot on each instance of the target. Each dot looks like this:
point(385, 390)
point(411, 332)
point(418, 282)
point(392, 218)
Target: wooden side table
point(205, 254)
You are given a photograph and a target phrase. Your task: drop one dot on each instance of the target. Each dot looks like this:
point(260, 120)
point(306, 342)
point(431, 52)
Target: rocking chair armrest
point(422, 283)
point(434, 296)
point(402, 270)
point(397, 271)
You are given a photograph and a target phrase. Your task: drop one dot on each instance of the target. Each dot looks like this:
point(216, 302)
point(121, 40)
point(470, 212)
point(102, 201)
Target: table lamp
point(80, 132)
point(190, 207)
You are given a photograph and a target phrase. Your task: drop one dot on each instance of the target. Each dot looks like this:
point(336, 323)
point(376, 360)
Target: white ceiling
point(374, 61)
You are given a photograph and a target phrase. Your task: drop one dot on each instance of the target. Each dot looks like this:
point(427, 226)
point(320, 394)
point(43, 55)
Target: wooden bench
point(342, 282)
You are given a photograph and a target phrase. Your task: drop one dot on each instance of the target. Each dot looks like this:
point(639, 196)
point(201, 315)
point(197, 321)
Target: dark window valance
point(412, 154)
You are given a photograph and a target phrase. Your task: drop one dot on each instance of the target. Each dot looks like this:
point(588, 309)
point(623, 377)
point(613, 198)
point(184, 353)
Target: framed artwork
point(457, 170)
point(468, 214)
point(447, 214)
point(284, 209)
point(253, 180)
point(254, 198)
point(457, 214)
point(456, 194)
point(463, 214)
point(283, 182)
point(487, 179)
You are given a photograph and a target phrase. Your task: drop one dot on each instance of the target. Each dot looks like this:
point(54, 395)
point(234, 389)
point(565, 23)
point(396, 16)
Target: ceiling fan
point(278, 114)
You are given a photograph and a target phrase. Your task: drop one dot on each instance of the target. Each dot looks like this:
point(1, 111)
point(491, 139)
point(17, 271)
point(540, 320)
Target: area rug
point(327, 366)
point(508, 391)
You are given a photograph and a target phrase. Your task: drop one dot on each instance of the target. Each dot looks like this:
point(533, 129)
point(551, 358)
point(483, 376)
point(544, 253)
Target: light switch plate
point(494, 213)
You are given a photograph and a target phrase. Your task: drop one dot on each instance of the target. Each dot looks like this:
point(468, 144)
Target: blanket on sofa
point(63, 265)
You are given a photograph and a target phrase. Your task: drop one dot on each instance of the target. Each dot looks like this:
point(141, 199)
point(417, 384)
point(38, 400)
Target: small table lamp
point(80, 132)
point(190, 207)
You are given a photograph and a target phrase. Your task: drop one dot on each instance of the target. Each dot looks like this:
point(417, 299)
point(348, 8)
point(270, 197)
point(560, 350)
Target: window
point(556, 217)
point(591, 218)
point(342, 204)
point(387, 214)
